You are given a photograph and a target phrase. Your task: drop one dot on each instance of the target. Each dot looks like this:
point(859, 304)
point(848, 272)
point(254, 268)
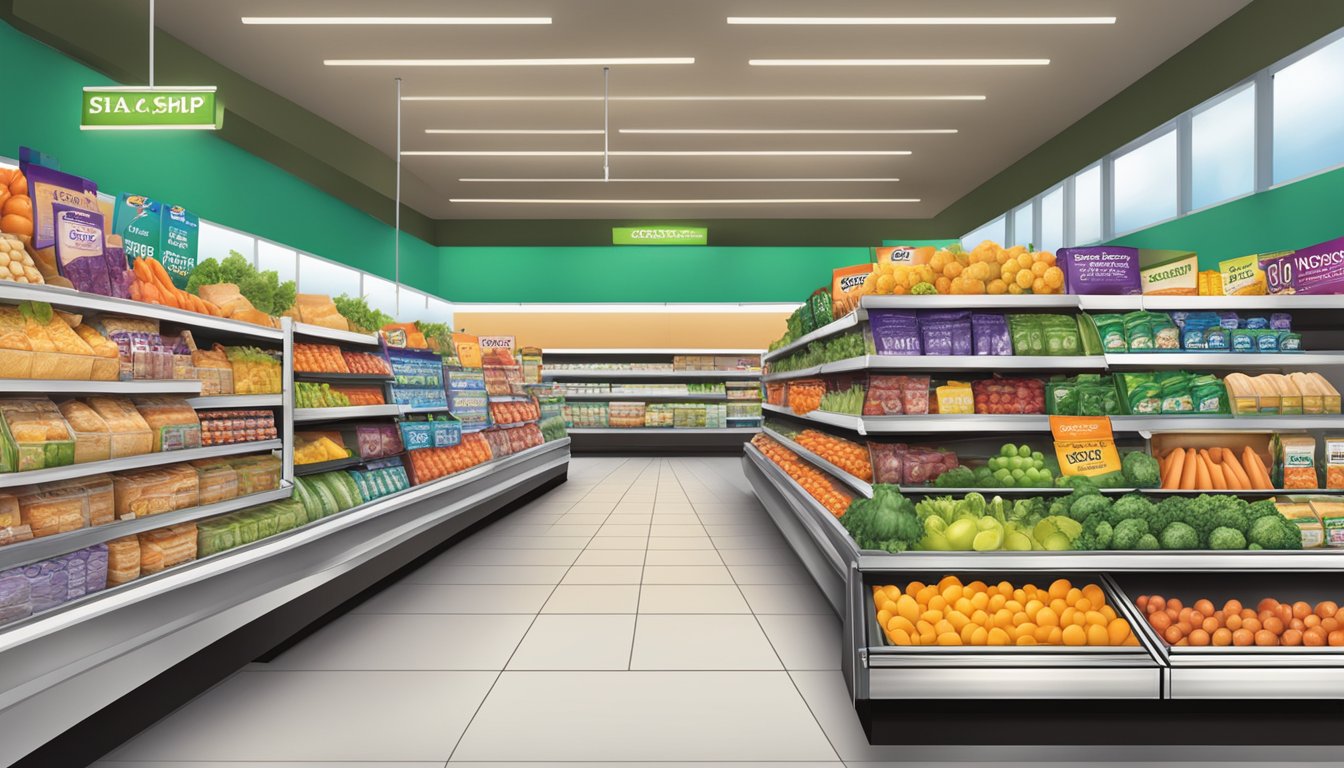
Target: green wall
point(213, 178)
point(640, 273)
point(1296, 215)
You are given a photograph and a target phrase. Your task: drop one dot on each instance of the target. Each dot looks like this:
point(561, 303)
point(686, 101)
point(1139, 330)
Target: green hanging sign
point(191, 108)
point(660, 235)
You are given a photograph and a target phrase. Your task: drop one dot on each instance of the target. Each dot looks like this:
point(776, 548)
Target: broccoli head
point(1259, 509)
point(1226, 538)
point(1140, 470)
point(1275, 533)
point(1208, 511)
point(1128, 532)
point(1097, 534)
point(1147, 541)
point(1087, 505)
point(1179, 536)
point(957, 477)
point(1131, 505)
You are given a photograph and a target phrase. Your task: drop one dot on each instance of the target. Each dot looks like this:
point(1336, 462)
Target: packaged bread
point(1318, 394)
point(33, 435)
point(106, 355)
point(1287, 393)
point(13, 534)
point(92, 440)
point(214, 370)
point(216, 535)
point(55, 510)
point(155, 491)
point(166, 547)
point(256, 473)
point(123, 560)
point(9, 510)
point(216, 480)
point(130, 433)
point(172, 422)
point(319, 309)
point(100, 500)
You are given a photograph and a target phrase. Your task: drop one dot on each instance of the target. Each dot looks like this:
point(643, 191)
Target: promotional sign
point(191, 108)
point(910, 255)
point(1085, 445)
point(467, 399)
point(497, 350)
point(660, 235)
point(177, 251)
point(468, 350)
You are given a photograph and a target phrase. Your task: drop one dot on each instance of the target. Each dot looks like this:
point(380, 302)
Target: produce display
point(848, 456)
point(319, 358)
point(255, 371)
point(366, 363)
point(357, 313)
point(379, 481)
point(987, 269)
point(16, 207)
point(317, 447)
point(1269, 624)
point(226, 427)
point(817, 484)
point(897, 395)
point(1016, 466)
point(45, 585)
point(237, 529)
point(241, 291)
point(327, 493)
point(1217, 468)
point(517, 412)
point(153, 285)
point(308, 394)
point(15, 263)
point(256, 473)
point(376, 441)
point(432, 463)
point(951, 613)
point(848, 400)
point(33, 435)
point(361, 395)
point(553, 428)
point(842, 347)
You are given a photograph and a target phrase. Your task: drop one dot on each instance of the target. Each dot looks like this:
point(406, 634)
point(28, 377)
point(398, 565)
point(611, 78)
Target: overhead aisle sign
point(660, 235)
point(139, 109)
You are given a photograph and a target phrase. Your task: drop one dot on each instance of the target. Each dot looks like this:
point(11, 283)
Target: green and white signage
point(660, 235)
point(191, 108)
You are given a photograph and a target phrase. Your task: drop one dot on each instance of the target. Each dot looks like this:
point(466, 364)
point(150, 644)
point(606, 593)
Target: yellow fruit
point(1023, 279)
point(949, 638)
point(967, 632)
point(1038, 285)
point(883, 618)
point(1098, 635)
point(1047, 618)
point(958, 620)
point(886, 268)
point(1095, 594)
point(1074, 635)
point(1014, 289)
point(1038, 268)
point(979, 600)
point(899, 290)
point(1033, 607)
point(963, 604)
point(996, 287)
point(885, 284)
point(1057, 605)
point(931, 616)
point(926, 594)
point(1026, 640)
point(980, 636)
point(926, 633)
point(997, 636)
point(943, 285)
point(925, 274)
point(899, 622)
point(1024, 261)
point(953, 269)
point(980, 617)
point(1042, 634)
point(944, 627)
point(1118, 631)
point(948, 581)
point(900, 637)
point(974, 286)
point(913, 588)
point(1059, 588)
point(996, 601)
point(1048, 258)
point(939, 260)
point(907, 608)
point(937, 603)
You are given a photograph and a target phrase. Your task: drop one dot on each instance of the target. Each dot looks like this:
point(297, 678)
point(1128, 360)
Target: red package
point(1000, 396)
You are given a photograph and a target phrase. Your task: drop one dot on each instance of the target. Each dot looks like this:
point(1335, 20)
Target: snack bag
point(1243, 276)
point(79, 249)
point(1169, 273)
point(847, 286)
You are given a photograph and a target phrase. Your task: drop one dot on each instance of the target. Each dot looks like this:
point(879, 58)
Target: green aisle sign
point(138, 109)
point(660, 235)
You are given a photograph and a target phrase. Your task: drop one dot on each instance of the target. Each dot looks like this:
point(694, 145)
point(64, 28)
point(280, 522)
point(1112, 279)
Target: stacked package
point(166, 547)
point(44, 585)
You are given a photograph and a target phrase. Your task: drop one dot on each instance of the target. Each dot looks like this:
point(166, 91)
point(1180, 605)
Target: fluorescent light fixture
point(673, 181)
point(655, 153)
point(592, 62)
point(700, 201)
point(580, 308)
point(514, 132)
point(967, 97)
point(360, 21)
point(919, 21)
point(789, 131)
point(898, 62)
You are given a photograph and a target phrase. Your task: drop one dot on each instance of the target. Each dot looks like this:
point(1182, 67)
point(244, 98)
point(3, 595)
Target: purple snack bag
point(1103, 270)
point(937, 337)
point(1318, 270)
point(895, 332)
point(80, 254)
point(991, 336)
point(49, 187)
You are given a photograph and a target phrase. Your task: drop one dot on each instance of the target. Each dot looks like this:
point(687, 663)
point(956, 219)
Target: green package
point(1028, 334)
point(1138, 332)
point(1176, 395)
point(1165, 333)
point(1140, 395)
point(1111, 329)
point(1088, 335)
point(1098, 398)
point(1061, 397)
point(1208, 394)
point(1060, 333)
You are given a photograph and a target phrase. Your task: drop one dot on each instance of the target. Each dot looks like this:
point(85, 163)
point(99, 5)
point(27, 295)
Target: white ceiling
point(1024, 105)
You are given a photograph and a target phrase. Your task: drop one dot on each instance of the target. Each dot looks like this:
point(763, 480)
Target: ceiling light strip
point(688, 201)
point(361, 21)
point(656, 153)
point(585, 62)
point(938, 21)
point(790, 131)
point(948, 97)
point(514, 132)
point(675, 181)
point(898, 62)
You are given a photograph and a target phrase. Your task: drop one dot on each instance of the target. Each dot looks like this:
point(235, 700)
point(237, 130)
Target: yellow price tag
point(1085, 445)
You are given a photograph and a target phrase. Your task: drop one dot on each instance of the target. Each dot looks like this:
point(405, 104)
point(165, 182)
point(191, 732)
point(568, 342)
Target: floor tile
point(682, 557)
point(630, 518)
point(593, 598)
point(716, 530)
point(627, 507)
point(487, 574)
point(361, 641)
point(535, 542)
point(759, 557)
point(479, 556)
point(618, 542)
point(675, 518)
point(621, 529)
point(612, 716)
point(804, 642)
point(786, 598)
point(686, 574)
point(271, 764)
point(680, 542)
point(583, 518)
point(561, 641)
point(333, 716)
point(828, 699)
point(457, 598)
point(611, 557)
point(592, 507)
point(563, 528)
point(604, 574)
point(771, 574)
point(701, 642)
point(696, 598)
point(759, 540)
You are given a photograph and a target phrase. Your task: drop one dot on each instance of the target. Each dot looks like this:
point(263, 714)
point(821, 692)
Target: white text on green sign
point(138, 109)
point(659, 235)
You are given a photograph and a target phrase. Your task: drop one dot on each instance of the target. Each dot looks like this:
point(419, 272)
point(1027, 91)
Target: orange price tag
point(1085, 445)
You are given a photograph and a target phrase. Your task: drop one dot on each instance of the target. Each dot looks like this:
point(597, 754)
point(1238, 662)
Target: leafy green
point(885, 522)
point(262, 288)
point(1179, 535)
point(440, 333)
point(360, 315)
point(1128, 532)
point(1275, 533)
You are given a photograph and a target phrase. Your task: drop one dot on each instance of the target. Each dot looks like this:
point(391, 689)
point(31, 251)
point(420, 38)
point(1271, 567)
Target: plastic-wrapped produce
point(172, 422)
point(1000, 396)
point(33, 435)
point(896, 395)
point(991, 335)
point(901, 464)
point(256, 473)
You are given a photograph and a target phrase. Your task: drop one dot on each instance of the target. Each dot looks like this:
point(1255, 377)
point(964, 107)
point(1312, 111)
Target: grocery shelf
point(13, 479)
point(410, 409)
point(1103, 303)
point(72, 299)
point(317, 468)
point(1284, 303)
point(80, 387)
point(1018, 303)
point(661, 398)
point(1113, 561)
point(661, 430)
point(625, 374)
point(1226, 423)
point(947, 363)
point(350, 412)
point(863, 487)
point(47, 547)
point(511, 425)
point(669, 351)
point(1294, 361)
point(509, 398)
point(832, 328)
point(842, 420)
point(343, 378)
point(237, 401)
point(334, 334)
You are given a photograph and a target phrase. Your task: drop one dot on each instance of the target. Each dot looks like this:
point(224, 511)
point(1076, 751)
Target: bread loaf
point(123, 560)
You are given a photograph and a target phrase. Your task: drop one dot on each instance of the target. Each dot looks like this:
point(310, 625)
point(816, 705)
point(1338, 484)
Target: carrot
point(1230, 464)
point(1173, 478)
point(1216, 453)
point(141, 270)
point(1188, 471)
point(1215, 471)
point(1256, 468)
point(1202, 479)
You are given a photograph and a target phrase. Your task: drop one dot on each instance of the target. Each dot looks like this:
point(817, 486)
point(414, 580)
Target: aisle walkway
point(648, 610)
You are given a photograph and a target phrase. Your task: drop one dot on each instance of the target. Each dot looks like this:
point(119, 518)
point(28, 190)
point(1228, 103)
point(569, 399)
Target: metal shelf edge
point(334, 334)
point(141, 461)
point(835, 326)
point(15, 292)
point(853, 482)
point(351, 412)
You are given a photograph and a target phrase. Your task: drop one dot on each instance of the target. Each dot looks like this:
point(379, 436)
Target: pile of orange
point(989, 268)
point(817, 484)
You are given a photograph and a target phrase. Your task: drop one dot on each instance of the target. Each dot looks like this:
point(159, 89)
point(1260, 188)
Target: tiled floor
point(646, 612)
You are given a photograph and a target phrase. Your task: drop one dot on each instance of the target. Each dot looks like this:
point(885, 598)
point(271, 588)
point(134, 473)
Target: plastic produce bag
point(990, 335)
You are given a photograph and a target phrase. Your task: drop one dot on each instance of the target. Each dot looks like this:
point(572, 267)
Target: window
point(1087, 206)
point(380, 294)
point(1145, 184)
point(282, 261)
point(1024, 230)
point(1222, 149)
point(1308, 104)
point(322, 276)
point(412, 305)
point(215, 243)
point(439, 311)
point(995, 230)
point(1052, 220)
